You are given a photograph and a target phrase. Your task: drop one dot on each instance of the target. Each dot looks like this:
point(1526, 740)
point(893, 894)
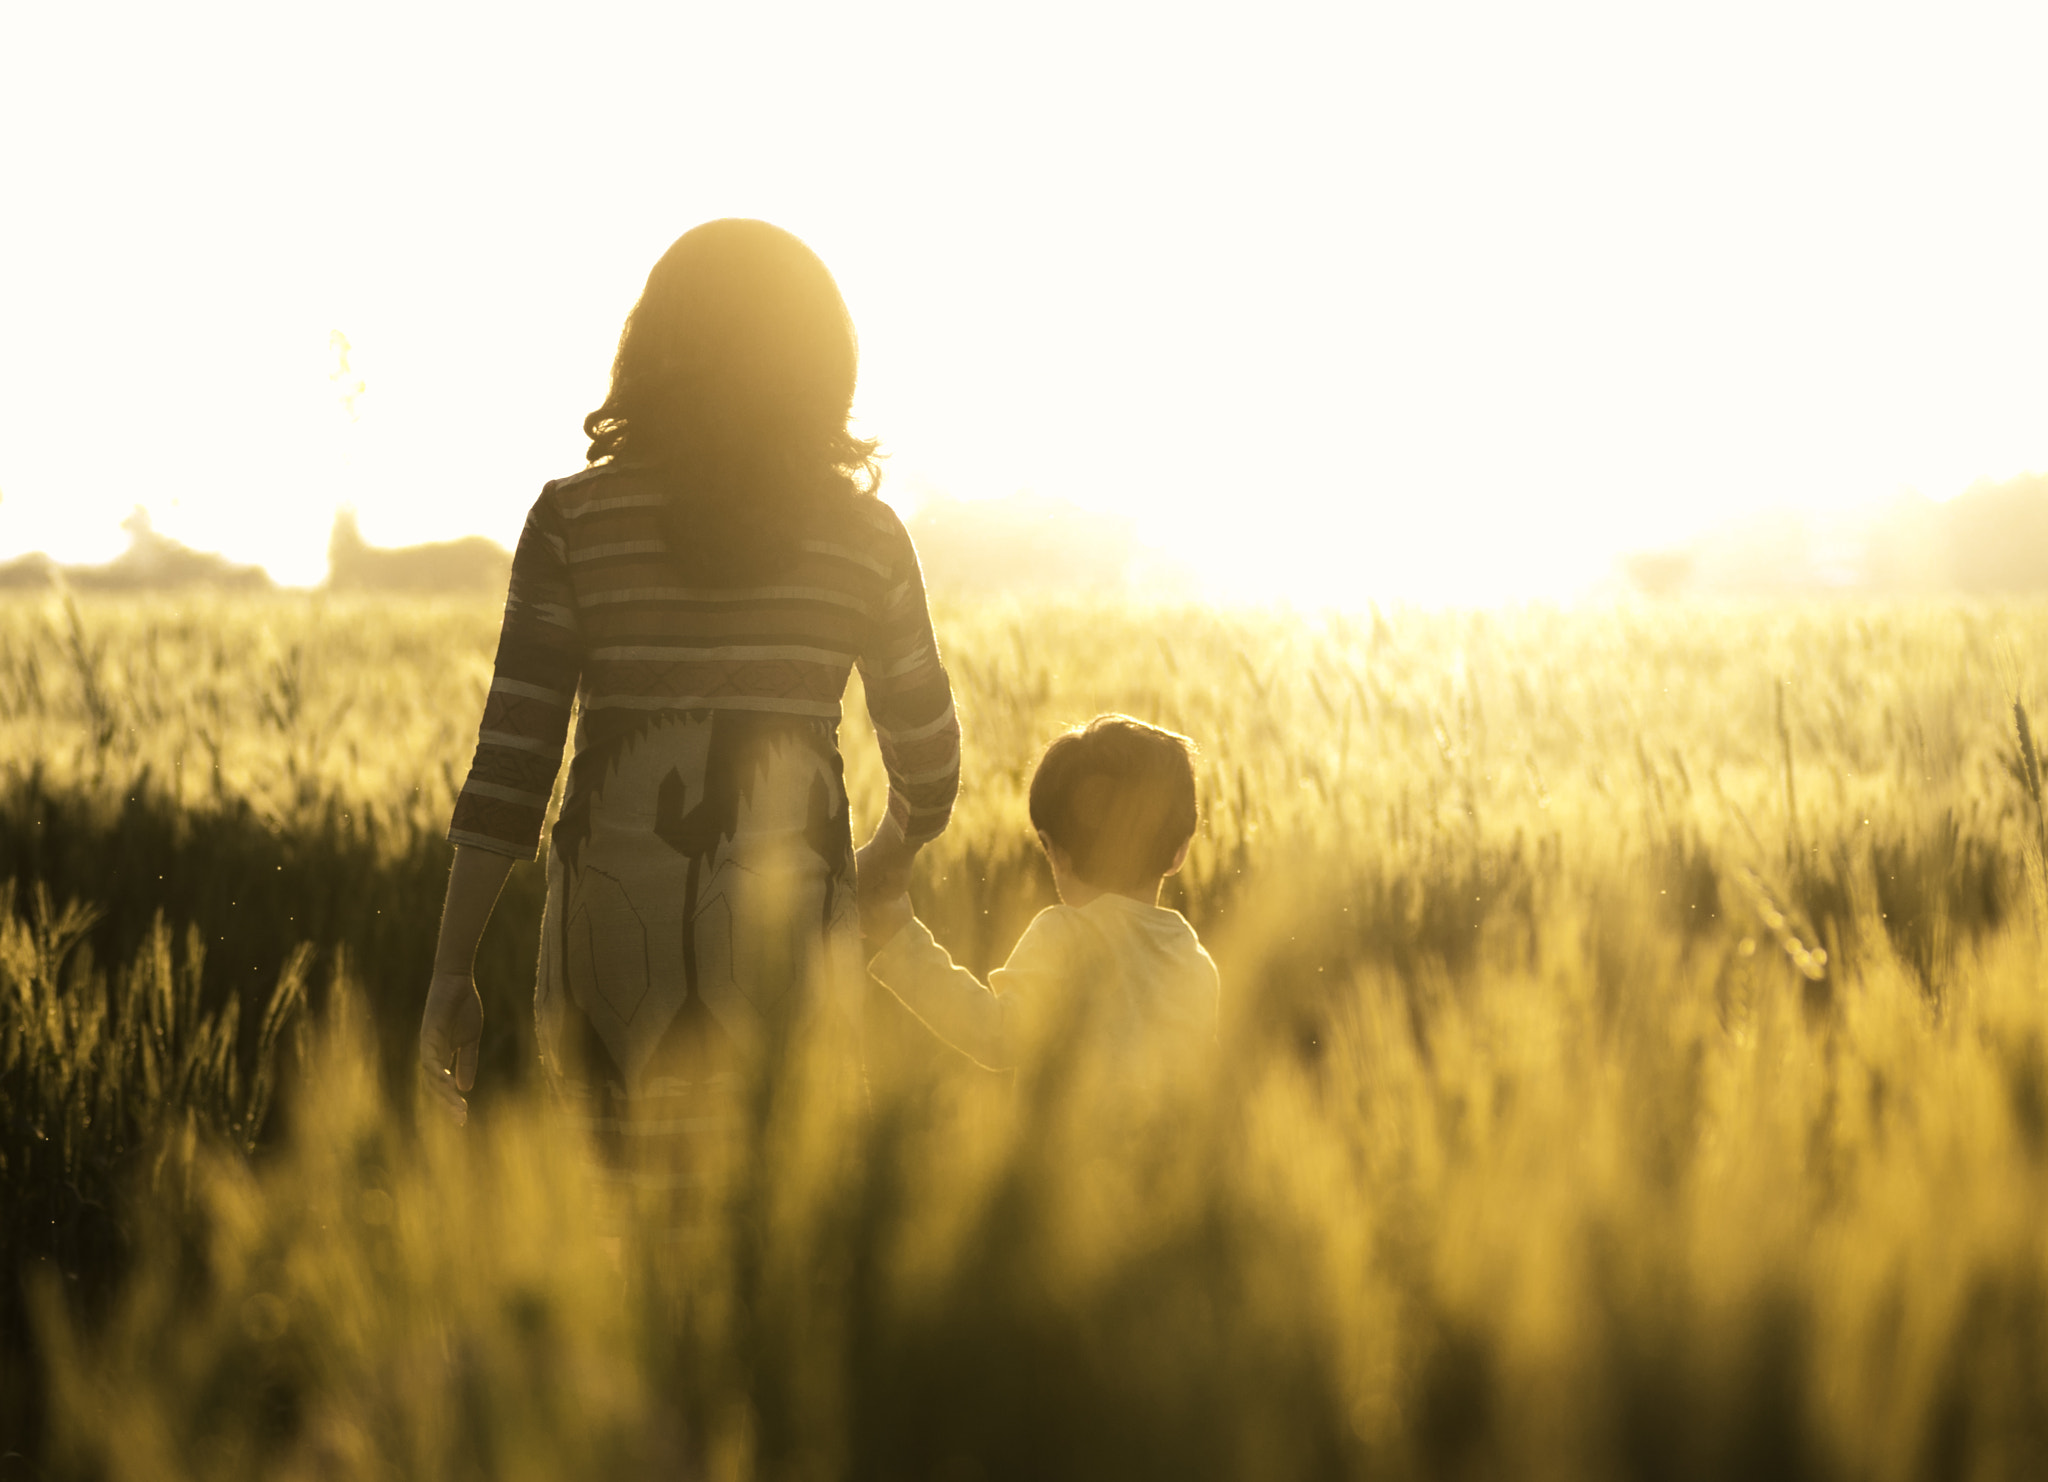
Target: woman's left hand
point(880, 920)
point(452, 1029)
point(881, 867)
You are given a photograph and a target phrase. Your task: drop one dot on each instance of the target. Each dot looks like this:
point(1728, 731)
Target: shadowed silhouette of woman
point(700, 592)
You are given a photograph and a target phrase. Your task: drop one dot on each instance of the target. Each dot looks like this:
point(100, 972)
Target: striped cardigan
point(595, 613)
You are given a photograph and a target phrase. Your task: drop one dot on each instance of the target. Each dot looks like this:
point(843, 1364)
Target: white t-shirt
point(1140, 973)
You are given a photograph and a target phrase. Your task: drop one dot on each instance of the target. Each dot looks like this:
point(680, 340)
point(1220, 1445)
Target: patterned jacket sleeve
point(911, 701)
point(526, 716)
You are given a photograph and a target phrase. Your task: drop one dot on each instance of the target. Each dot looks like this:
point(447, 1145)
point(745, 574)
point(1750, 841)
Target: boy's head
point(1118, 799)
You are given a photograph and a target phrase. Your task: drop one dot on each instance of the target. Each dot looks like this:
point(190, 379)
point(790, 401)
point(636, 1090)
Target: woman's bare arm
point(452, 1028)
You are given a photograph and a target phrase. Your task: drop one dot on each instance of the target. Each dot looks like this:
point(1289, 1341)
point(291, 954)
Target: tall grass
point(108, 1087)
point(1610, 1210)
point(1635, 1064)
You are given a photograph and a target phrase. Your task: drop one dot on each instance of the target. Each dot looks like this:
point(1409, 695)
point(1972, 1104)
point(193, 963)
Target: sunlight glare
point(1347, 303)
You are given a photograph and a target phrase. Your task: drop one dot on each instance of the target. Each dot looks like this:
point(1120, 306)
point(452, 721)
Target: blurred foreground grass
point(1636, 1064)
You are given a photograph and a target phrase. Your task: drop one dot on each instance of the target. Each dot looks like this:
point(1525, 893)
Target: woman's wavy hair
point(734, 379)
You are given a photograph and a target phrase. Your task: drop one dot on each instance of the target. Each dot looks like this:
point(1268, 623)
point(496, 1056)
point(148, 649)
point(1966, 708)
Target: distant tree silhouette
point(1658, 573)
point(1905, 550)
point(1992, 538)
point(471, 564)
point(1998, 536)
point(27, 573)
point(1027, 543)
point(152, 563)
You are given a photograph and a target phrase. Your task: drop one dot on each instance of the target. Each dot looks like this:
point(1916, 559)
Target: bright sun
point(1425, 304)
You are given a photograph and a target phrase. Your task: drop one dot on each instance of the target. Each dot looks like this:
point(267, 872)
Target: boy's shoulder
point(1054, 923)
point(1061, 939)
point(1128, 934)
point(1121, 913)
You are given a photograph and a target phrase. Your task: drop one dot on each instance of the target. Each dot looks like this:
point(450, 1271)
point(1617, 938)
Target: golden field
point(1635, 1064)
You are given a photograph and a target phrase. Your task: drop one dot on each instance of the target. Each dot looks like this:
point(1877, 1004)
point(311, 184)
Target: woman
point(703, 589)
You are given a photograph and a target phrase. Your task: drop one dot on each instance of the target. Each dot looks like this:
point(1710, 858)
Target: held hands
point(451, 1029)
point(881, 920)
point(882, 865)
point(882, 885)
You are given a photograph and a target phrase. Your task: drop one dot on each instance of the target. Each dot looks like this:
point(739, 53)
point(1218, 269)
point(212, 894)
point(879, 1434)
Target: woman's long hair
point(734, 379)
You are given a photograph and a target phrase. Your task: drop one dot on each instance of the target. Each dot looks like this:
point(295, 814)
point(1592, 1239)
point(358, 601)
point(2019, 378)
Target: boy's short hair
point(1118, 796)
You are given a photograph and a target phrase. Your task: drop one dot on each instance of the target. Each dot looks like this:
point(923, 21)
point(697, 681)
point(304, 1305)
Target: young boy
point(1114, 807)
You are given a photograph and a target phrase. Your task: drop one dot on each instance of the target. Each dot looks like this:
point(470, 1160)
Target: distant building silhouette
point(152, 563)
point(469, 565)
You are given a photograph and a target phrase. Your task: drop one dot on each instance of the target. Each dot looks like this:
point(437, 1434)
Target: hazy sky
point(1440, 301)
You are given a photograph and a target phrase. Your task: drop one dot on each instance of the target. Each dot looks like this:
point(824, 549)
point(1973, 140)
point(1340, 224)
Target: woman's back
point(596, 603)
point(702, 861)
point(700, 595)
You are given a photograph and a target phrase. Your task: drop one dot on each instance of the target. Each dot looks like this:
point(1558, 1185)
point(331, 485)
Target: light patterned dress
point(700, 879)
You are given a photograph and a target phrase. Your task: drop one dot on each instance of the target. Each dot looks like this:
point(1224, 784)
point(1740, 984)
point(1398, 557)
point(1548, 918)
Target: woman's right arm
point(452, 1028)
point(504, 801)
point(533, 685)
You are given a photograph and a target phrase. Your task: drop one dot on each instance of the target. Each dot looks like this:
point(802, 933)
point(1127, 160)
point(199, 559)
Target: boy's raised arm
point(983, 1024)
point(954, 1004)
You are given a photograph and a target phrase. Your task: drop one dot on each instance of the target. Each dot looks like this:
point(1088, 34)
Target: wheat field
point(1634, 1064)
